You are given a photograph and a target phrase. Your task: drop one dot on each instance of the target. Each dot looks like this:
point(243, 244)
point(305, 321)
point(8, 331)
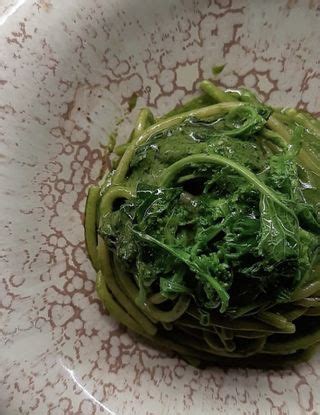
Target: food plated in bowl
point(68, 72)
point(205, 235)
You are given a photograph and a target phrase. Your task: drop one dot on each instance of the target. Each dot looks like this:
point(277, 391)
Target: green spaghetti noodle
point(206, 236)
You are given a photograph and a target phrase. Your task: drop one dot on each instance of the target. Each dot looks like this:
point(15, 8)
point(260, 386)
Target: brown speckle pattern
point(68, 69)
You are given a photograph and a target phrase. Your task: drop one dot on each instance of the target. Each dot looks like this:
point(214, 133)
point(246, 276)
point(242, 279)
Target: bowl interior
point(68, 72)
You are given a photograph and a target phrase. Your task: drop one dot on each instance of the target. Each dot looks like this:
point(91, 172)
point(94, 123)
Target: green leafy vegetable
point(216, 70)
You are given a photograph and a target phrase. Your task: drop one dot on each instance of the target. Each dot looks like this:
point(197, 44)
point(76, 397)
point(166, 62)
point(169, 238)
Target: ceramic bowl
point(68, 70)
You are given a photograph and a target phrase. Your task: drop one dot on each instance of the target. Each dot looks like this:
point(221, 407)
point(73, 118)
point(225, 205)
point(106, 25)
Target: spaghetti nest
point(205, 236)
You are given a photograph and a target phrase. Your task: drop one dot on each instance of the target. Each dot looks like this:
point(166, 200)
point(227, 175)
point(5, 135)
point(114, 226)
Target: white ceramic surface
point(67, 70)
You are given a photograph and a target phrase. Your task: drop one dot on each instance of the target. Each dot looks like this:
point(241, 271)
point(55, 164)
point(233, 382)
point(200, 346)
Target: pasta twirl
point(206, 235)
